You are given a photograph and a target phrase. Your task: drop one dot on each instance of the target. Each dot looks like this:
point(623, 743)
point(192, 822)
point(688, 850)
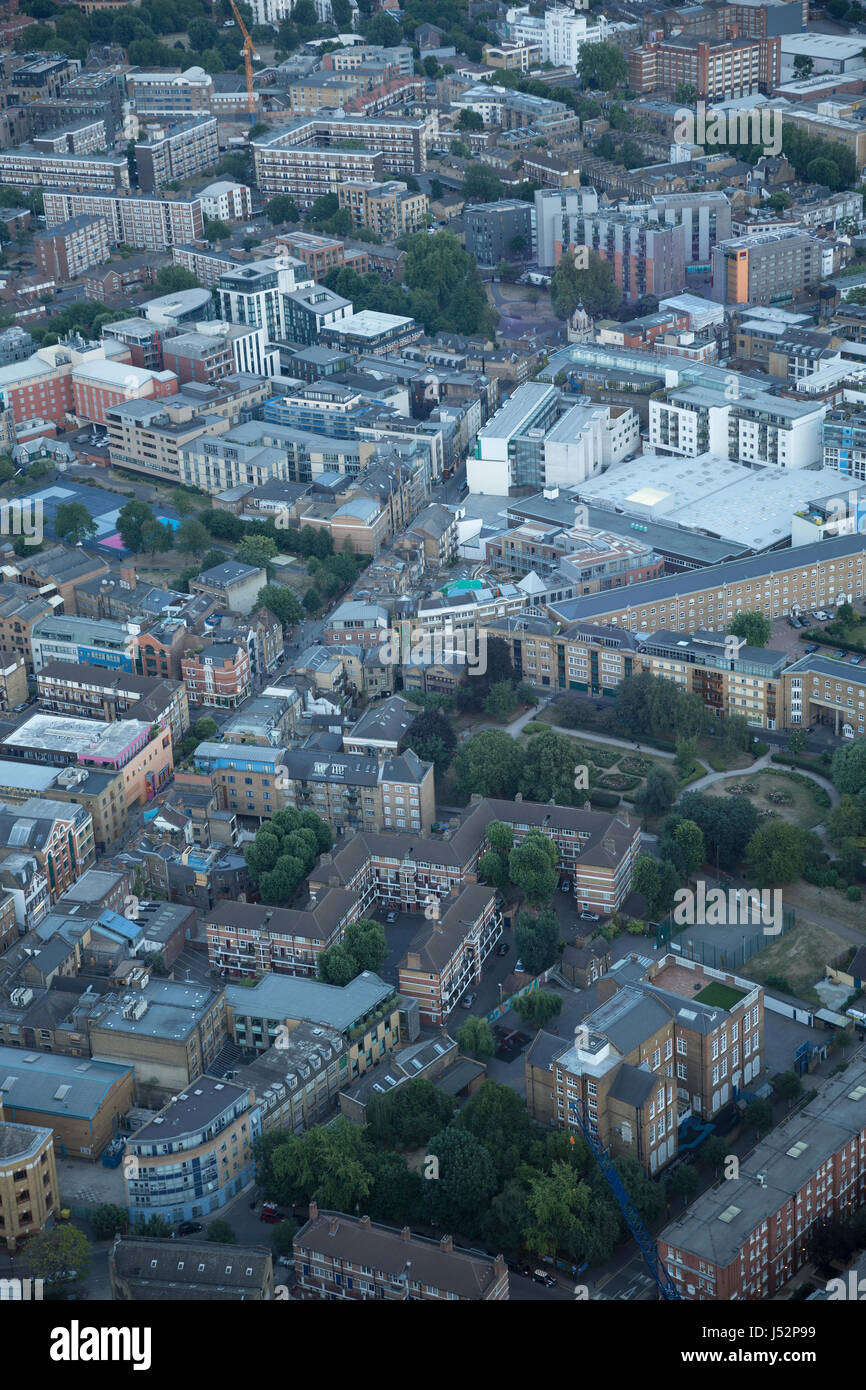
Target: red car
point(270, 1213)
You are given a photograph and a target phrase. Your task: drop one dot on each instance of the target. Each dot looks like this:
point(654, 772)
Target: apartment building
point(217, 350)
point(363, 1260)
point(253, 294)
point(65, 251)
point(811, 576)
point(101, 794)
point(642, 1062)
point(234, 586)
point(177, 151)
point(163, 93)
point(599, 560)
point(318, 253)
point(78, 688)
point(169, 1032)
point(82, 1105)
point(500, 231)
point(218, 675)
point(148, 436)
point(195, 1155)
point(296, 1085)
point(8, 921)
point(29, 1193)
point(138, 748)
point(290, 161)
point(752, 427)
point(58, 836)
point(20, 610)
point(94, 640)
point(245, 939)
point(768, 268)
point(134, 218)
point(446, 955)
point(719, 69)
point(309, 311)
point(27, 165)
point(747, 1243)
point(361, 792)
point(389, 209)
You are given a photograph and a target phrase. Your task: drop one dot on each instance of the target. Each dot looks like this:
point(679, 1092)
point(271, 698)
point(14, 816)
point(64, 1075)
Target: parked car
point(468, 1000)
point(518, 967)
point(541, 1276)
point(812, 647)
point(391, 918)
point(857, 660)
point(565, 886)
point(189, 1228)
point(589, 917)
point(503, 948)
point(270, 1212)
point(841, 654)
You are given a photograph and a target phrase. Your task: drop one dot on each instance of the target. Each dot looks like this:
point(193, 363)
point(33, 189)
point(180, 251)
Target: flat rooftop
point(83, 737)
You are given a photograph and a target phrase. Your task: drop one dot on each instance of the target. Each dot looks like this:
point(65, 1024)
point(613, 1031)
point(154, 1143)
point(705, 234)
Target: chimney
point(333, 1225)
point(406, 1233)
point(364, 1223)
point(127, 576)
point(610, 844)
point(446, 1243)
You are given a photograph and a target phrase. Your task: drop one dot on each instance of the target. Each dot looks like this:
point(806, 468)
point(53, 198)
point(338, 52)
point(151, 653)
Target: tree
point(282, 208)
point(365, 941)
point(645, 879)
point(256, 550)
point(490, 764)
point(221, 1232)
point(466, 1182)
point(797, 741)
point(564, 1217)
point(753, 627)
point(336, 966)
point(481, 184)
point(846, 820)
point(602, 66)
point(475, 1038)
point(184, 504)
point(156, 537)
point(409, 1115)
point(803, 65)
point(687, 750)
point(686, 93)
point(193, 538)
point(727, 824)
point(154, 1228)
point(713, 1153)
point(594, 287)
point(108, 1221)
point(433, 737)
point(436, 189)
point(215, 229)
point(776, 853)
point(759, 1114)
point(532, 867)
point(688, 840)
point(497, 1117)
point(848, 769)
point(172, 278)
point(283, 1239)
point(501, 700)
point(282, 602)
point(537, 939)
point(657, 795)
point(329, 1164)
point(493, 870)
point(454, 299)
point(131, 520)
point(60, 1256)
point(686, 1182)
point(469, 120)
point(846, 614)
point(788, 1086)
point(73, 523)
point(549, 770)
point(382, 29)
point(539, 1007)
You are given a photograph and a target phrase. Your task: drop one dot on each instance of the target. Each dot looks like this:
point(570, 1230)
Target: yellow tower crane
point(249, 54)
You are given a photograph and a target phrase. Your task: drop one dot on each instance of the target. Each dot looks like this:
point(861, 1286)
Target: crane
point(249, 54)
point(666, 1286)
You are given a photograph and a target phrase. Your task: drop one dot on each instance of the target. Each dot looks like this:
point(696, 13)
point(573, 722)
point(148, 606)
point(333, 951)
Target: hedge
point(598, 797)
point(800, 760)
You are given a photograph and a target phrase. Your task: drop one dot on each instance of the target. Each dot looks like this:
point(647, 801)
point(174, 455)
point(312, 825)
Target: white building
point(566, 31)
point(555, 208)
point(740, 422)
point(253, 293)
point(226, 200)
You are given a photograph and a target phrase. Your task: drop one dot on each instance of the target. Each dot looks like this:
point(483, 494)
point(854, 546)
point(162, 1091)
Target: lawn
point(825, 902)
point(798, 957)
point(800, 809)
point(720, 996)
